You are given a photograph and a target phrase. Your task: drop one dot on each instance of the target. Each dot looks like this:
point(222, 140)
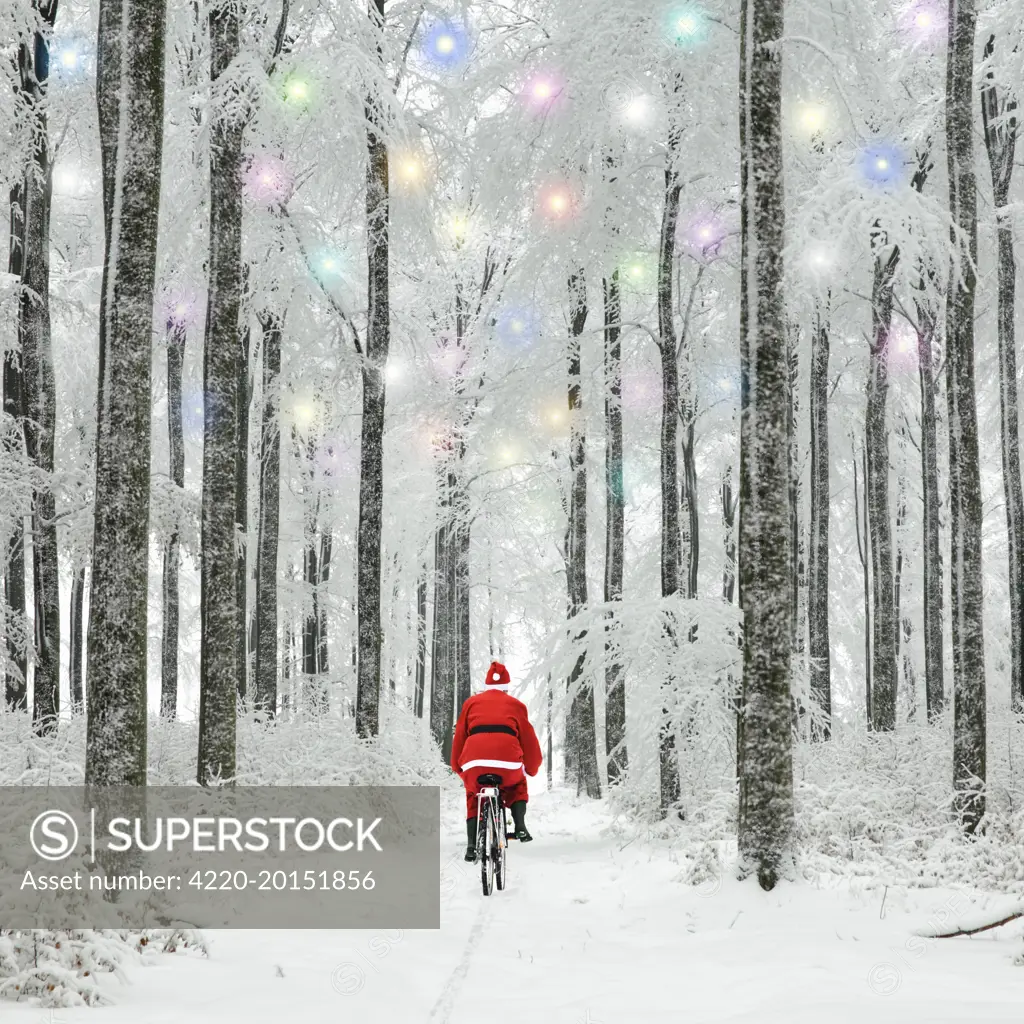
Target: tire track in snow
point(446, 1000)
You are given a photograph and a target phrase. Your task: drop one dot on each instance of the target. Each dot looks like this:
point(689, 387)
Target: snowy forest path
point(595, 927)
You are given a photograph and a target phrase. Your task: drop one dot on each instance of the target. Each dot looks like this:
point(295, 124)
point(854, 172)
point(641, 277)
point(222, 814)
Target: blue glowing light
point(687, 25)
point(882, 164)
point(517, 329)
point(446, 44)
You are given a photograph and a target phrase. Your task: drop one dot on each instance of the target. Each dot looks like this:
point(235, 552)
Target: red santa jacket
point(497, 750)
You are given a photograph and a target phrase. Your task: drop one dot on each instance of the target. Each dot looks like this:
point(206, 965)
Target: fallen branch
point(967, 929)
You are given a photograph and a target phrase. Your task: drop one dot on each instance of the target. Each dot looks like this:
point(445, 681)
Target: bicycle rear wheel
point(486, 838)
point(501, 863)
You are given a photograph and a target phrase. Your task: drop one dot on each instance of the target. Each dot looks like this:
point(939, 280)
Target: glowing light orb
point(267, 179)
point(69, 59)
point(394, 371)
point(704, 235)
point(882, 164)
point(925, 22)
point(558, 202)
point(810, 118)
point(65, 180)
point(445, 44)
point(180, 307)
point(517, 329)
point(304, 413)
point(638, 109)
point(923, 19)
point(687, 25)
point(411, 170)
point(297, 90)
point(458, 226)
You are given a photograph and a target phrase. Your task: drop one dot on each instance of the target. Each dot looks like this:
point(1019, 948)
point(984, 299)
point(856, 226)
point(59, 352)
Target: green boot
point(518, 809)
point(471, 839)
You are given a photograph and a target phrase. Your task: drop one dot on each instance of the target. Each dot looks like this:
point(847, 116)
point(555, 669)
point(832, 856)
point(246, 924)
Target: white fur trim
point(496, 686)
point(485, 763)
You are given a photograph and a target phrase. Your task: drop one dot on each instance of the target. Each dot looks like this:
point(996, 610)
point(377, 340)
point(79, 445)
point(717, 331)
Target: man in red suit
point(494, 737)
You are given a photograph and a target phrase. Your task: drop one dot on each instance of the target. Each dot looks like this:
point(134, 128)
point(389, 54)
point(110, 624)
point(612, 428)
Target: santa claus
point(494, 737)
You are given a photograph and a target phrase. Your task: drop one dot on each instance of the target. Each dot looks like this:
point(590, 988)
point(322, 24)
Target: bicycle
point(491, 835)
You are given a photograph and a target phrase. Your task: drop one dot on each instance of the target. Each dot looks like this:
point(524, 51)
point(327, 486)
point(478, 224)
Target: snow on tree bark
point(1000, 123)
point(860, 513)
point(172, 548)
point(966, 579)
point(39, 387)
point(442, 660)
point(614, 538)
point(218, 660)
point(242, 398)
point(16, 670)
point(581, 735)
point(76, 646)
point(818, 551)
point(371, 458)
point(421, 644)
point(766, 555)
point(671, 538)
point(884, 673)
point(933, 583)
point(130, 101)
point(268, 529)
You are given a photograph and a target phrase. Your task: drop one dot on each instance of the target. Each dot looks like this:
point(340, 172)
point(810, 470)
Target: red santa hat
point(497, 677)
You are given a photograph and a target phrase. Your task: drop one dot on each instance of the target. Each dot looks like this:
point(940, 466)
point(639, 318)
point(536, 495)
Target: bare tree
point(219, 621)
point(966, 579)
point(765, 542)
point(130, 100)
point(1000, 120)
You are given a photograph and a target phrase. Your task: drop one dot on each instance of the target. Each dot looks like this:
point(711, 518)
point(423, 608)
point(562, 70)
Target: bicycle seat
point(488, 780)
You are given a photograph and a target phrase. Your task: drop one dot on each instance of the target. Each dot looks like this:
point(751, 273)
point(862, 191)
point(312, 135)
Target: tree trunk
point(421, 643)
point(729, 527)
point(671, 540)
point(242, 398)
point(581, 735)
point(819, 644)
point(461, 591)
point(884, 672)
point(76, 651)
point(371, 464)
point(615, 521)
point(172, 555)
point(966, 577)
point(16, 671)
point(1001, 141)
point(130, 99)
point(218, 660)
point(265, 674)
point(864, 551)
point(933, 640)
point(766, 555)
point(442, 660)
point(40, 392)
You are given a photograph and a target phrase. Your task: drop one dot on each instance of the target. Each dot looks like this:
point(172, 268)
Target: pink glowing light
point(180, 307)
point(558, 202)
point(267, 180)
point(542, 90)
point(641, 391)
point(704, 235)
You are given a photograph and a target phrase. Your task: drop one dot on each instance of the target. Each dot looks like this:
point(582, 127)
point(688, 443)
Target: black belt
point(492, 728)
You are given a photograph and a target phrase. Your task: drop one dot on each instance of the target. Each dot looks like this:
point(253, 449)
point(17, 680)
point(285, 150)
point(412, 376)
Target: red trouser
point(513, 786)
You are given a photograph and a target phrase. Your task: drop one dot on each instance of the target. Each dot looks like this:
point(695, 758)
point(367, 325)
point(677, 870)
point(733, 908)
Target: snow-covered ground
point(599, 929)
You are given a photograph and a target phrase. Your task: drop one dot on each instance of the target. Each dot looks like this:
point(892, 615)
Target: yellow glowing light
point(445, 44)
point(923, 20)
point(542, 90)
point(304, 413)
point(811, 118)
point(516, 326)
point(458, 225)
point(687, 24)
point(69, 58)
point(411, 169)
point(180, 310)
point(636, 270)
point(882, 164)
point(297, 90)
point(705, 232)
point(558, 203)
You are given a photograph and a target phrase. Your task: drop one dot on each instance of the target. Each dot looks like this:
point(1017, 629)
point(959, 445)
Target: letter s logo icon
point(58, 827)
